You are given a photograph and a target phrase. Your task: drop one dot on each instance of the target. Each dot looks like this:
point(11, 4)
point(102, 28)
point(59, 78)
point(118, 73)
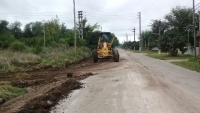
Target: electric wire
point(149, 6)
point(145, 5)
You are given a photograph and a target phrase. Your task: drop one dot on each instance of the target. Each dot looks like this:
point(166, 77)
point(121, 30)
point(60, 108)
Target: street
point(135, 84)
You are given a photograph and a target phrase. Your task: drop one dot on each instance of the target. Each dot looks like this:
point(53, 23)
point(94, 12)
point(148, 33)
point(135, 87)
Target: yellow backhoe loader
point(104, 49)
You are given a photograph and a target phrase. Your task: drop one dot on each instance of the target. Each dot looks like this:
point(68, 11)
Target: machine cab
point(105, 37)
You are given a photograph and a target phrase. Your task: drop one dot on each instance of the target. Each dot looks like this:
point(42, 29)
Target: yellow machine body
point(104, 49)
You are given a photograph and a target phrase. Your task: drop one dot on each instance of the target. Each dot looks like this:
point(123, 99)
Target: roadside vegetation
point(175, 33)
point(28, 49)
point(7, 91)
point(166, 56)
point(192, 64)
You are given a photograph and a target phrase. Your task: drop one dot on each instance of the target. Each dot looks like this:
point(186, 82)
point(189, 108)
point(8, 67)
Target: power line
point(130, 14)
point(147, 3)
point(39, 13)
point(149, 6)
point(112, 18)
point(99, 16)
point(90, 8)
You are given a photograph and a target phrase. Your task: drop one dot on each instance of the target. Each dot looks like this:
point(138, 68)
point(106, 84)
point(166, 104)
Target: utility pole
point(134, 38)
point(80, 16)
point(126, 37)
point(44, 36)
point(159, 48)
point(79, 24)
point(140, 48)
point(74, 28)
point(188, 36)
point(194, 30)
point(199, 33)
point(148, 43)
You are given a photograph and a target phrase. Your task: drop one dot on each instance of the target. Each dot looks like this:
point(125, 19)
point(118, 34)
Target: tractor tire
point(95, 55)
point(116, 55)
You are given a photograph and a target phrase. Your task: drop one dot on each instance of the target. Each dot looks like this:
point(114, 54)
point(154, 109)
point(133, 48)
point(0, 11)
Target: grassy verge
point(59, 56)
point(8, 91)
point(165, 56)
point(192, 64)
point(13, 61)
point(53, 56)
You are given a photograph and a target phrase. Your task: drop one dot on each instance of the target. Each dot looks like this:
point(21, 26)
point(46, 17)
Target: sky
point(116, 16)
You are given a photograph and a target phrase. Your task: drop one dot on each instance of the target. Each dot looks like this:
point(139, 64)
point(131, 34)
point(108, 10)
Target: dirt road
point(137, 84)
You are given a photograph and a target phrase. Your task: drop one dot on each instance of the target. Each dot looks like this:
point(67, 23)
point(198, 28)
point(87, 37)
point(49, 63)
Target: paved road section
point(136, 84)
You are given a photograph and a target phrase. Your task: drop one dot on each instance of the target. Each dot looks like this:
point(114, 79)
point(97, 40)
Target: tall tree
point(156, 24)
point(37, 28)
point(3, 26)
point(179, 18)
point(172, 40)
point(28, 32)
point(52, 29)
point(15, 29)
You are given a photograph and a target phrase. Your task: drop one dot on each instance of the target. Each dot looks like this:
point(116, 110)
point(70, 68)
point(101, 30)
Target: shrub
point(18, 46)
point(37, 49)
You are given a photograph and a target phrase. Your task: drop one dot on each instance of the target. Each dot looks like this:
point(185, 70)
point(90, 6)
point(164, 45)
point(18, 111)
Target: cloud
point(117, 16)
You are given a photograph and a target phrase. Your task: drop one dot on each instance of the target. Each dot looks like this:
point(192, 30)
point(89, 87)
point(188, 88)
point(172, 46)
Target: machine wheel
point(116, 55)
point(94, 55)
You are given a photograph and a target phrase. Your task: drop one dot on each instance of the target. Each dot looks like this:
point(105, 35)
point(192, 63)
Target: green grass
point(61, 57)
point(192, 64)
point(165, 56)
point(54, 56)
point(10, 60)
point(7, 91)
point(149, 52)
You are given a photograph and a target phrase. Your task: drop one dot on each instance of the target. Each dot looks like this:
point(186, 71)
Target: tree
point(116, 41)
point(37, 28)
point(149, 37)
point(158, 23)
point(28, 31)
point(63, 30)
point(130, 45)
point(5, 40)
point(15, 28)
point(180, 18)
point(52, 29)
point(172, 40)
point(3, 26)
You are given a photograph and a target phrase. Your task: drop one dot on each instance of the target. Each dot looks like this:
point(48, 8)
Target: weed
point(7, 91)
point(165, 56)
point(191, 64)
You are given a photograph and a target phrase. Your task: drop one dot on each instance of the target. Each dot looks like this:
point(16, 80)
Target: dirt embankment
point(45, 87)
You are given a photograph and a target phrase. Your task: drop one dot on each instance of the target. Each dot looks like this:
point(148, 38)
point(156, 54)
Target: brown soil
point(45, 87)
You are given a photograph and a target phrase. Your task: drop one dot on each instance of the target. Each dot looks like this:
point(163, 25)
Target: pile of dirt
point(43, 103)
point(45, 87)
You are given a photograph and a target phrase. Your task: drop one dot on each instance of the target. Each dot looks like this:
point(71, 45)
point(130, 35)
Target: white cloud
point(117, 16)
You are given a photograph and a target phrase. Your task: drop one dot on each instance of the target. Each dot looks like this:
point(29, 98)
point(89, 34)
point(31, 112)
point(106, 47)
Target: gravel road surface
point(136, 84)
